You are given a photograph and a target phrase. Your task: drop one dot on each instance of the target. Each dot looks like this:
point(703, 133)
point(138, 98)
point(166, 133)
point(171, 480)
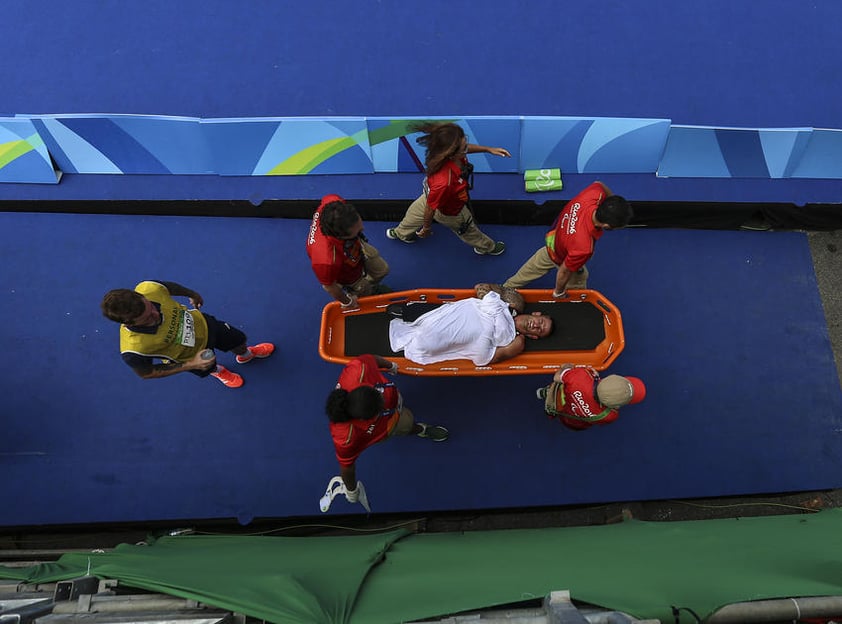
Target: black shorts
point(221, 336)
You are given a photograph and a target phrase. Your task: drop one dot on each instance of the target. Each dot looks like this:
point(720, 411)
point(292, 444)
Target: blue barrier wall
point(155, 90)
point(138, 144)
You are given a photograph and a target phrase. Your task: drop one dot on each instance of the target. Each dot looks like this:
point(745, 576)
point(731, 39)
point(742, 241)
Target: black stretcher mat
point(588, 330)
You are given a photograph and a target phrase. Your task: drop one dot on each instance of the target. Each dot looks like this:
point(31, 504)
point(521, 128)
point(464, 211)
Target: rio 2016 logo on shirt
point(313, 227)
point(583, 405)
point(574, 218)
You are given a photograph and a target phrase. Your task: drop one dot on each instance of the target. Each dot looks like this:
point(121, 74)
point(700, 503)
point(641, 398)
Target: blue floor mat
point(726, 328)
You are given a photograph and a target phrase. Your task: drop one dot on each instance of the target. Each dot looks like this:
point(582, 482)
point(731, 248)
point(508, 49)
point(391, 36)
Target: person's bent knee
point(363, 287)
point(406, 421)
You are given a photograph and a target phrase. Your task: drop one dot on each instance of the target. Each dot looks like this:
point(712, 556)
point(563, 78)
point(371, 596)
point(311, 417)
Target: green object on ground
point(533, 186)
point(637, 567)
point(545, 174)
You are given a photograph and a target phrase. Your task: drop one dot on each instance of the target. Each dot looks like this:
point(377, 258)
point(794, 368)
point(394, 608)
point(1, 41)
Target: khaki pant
point(538, 266)
point(462, 224)
point(376, 269)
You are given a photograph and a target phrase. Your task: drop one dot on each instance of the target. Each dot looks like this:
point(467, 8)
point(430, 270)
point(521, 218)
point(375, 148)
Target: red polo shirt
point(571, 240)
point(581, 406)
point(354, 436)
point(334, 261)
point(447, 190)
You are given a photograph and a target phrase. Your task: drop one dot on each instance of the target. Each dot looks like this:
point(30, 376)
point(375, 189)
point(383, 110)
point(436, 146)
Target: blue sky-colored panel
point(177, 142)
point(743, 152)
point(692, 152)
point(236, 145)
point(552, 142)
point(623, 146)
point(822, 157)
point(783, 149)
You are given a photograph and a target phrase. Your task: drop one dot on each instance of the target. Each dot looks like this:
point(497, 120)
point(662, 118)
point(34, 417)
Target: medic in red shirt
point(570, 242)
point(344, 262)
point(579, 398)
point(445, 198)
point(366, 408)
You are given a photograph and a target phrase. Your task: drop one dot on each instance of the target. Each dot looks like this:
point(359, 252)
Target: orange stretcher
point(588, 329)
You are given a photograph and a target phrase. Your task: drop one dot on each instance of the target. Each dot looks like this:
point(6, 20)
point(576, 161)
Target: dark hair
point(122, 305)
point(338, 218)
point(337, 406)
point(442, 140)
point(364, 402)
point(360, 404)
point(614, 211)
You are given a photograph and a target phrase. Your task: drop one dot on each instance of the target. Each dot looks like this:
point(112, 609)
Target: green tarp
point(279, 579)
point(638, 567)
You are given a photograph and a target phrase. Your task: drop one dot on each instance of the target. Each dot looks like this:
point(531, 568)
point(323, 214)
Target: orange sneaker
point(231, 380)
point(262, 350)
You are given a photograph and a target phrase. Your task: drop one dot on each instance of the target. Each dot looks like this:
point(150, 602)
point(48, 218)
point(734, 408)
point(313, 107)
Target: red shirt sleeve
point(578, 255)
point(326, 272)
point(437, 185)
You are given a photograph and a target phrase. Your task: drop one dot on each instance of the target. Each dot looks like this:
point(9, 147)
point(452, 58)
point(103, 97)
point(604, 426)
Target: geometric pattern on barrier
point(784, 148)
point(394, 147)
point(289, 146)
point(692, 151)
point(23, 155)
point(708, 152)
point(593, 144)
point(822, 156)
point(33, 146)
point(126, 144)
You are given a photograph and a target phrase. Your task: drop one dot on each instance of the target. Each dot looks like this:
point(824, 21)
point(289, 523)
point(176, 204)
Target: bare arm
point(515, 347)
point(177, 290)
point(155, 371)
point(605, 188)
point(561, 279)
point(426, 230)
point(382, 362)
point(496, 151)
point(560, 372)
point(483, 288)
point(507, 294)
point(337, 292)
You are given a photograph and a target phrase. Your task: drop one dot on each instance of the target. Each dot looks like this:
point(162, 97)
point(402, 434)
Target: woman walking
point(445, 198)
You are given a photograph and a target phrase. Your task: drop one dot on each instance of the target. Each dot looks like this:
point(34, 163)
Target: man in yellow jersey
point(160, 337)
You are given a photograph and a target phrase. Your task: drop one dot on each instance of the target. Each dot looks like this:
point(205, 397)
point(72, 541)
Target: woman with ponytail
point(445, 198)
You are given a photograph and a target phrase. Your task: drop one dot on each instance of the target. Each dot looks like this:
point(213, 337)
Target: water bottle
point(207, 354)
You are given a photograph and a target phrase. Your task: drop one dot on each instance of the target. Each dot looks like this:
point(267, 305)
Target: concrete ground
point(826, 248)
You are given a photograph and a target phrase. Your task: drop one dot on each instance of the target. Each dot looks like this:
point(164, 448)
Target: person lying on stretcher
point(484, 329)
